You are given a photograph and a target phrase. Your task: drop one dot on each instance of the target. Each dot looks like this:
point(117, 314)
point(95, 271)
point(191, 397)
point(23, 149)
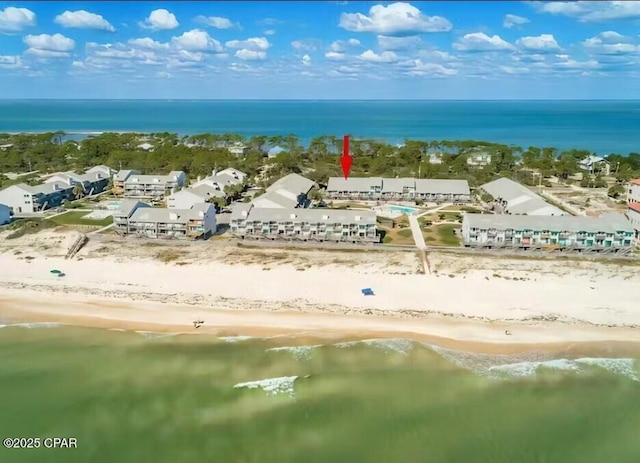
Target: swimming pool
point(402, 209)
point(111, 205)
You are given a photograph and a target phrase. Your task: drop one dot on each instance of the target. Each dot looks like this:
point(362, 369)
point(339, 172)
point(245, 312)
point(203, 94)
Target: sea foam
point(389, 346)
point(530, 364)
point(299, 352)
point(272, 386)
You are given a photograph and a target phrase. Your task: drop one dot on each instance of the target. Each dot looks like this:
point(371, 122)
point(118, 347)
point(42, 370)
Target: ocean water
point(599, 126)
point(131, 397)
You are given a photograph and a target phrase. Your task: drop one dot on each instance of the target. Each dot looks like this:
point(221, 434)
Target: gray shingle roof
point(285, 192)
point(520, 199)
point(397, 185)
point(164, 215)
point(126, 207)
point(442, 186)
point(606, 223)
point(353, 184)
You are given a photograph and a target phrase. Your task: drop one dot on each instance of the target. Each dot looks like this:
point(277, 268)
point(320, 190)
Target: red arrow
point(345, 159)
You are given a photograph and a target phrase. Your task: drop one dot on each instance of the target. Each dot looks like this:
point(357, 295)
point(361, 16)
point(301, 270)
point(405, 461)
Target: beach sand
point(467, 302)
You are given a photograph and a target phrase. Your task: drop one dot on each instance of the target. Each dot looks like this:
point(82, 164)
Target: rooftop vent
point(173, 216)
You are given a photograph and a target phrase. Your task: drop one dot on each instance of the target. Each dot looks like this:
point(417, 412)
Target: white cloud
point(384, 57)
point(49, 46)
point(16, 19)
point(10, 62)
point(515, 70)
point(216, 22)
point(254, 43)
point(270, 32)
point(197, 40)
point(416, 67)
point(398, 43)
point(348, 70)
point(304, 45)
point(340, 46)
point(160, 20)
point(333, 56)
point(610, 43)
point(569, 63)
point(148, 43)
point(397, 19)
point(545, 43)
point(251, 55)
point(587, 11)
point(479, 41)
point(511, 20)
point(306, 60)
point(83, 19)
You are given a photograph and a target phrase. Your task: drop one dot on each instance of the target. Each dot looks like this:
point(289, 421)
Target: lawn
point(397, 235)
point(442, 235)
point(77, 218)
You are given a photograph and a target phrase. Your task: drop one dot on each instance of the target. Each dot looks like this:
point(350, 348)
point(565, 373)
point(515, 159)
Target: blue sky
point(320, 50)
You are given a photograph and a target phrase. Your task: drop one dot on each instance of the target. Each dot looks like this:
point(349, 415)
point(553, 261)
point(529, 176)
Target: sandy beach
point(466, 302)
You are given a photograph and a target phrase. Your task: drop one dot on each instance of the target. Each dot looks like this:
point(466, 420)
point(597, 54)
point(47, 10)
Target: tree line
point(197, 155)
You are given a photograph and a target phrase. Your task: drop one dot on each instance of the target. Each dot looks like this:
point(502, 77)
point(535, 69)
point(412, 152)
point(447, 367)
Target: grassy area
point(77, 218)
point(442, 235)
point(23, 227)
point(397, 235)
point(349, 204)
point(168, 255)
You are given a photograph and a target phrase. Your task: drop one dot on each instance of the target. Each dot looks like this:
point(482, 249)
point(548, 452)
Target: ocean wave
point(272, 386)
point(299, 352)
point(34, 325)
point(389, 346)
point(156, 335)
point(530, 364)
point(235, 338)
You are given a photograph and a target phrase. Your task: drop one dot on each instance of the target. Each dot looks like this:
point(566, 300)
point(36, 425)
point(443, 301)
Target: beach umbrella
point(55, 271)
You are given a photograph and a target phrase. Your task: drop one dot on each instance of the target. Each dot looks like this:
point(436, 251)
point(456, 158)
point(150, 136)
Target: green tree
point(616, 191)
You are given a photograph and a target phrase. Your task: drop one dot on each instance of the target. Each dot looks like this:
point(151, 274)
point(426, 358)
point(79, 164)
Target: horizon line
point(320, 99)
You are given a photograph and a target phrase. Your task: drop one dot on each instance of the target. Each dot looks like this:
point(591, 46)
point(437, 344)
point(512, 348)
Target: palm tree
point(78, 190)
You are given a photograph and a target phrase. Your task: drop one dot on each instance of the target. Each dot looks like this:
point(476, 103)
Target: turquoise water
point(600, 126)
point(403, 209)
point(112, 204)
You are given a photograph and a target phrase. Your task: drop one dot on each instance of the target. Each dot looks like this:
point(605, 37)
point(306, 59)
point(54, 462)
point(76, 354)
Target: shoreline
point(305, 328)
point(468, 303)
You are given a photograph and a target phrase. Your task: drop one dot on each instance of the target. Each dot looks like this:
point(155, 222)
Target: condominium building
point(248, 221)
point(286, 193)
point(610, 232)
point(132, 184)
point(511, 197)
point(203, 190)
point(633, 192)
point(151, 222)
point(124, 212)
point(398, 189)
point(26, 199)
point(633, 214)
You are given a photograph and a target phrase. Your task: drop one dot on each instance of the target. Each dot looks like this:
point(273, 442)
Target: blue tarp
point(367, 292)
